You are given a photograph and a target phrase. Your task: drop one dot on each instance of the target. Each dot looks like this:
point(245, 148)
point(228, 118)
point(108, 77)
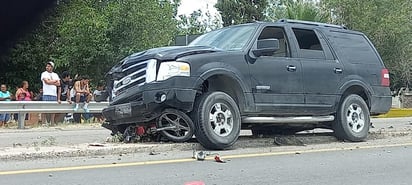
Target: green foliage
point(388, 23)
point(241, 11)
point(296, 9)
point(197, 23)
point(89, 37)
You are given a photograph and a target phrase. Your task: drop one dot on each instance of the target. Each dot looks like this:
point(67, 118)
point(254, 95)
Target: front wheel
point(217, 118)
point(353, 119)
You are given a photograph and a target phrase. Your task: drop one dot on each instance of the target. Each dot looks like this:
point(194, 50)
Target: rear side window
point(353, 48)
point(309, 45)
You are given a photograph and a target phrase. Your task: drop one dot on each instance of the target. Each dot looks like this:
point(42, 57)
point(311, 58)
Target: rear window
point(353, 48)
point(309, 45)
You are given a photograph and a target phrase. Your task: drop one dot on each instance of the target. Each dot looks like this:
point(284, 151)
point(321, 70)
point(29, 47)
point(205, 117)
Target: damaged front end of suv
point(152, 92)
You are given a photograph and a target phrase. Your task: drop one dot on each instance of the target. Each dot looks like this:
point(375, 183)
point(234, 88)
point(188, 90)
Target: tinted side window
point(350, 44)
point(309, 45)
point(276, 33)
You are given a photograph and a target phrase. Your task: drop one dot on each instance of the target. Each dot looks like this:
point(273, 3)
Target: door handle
point(338, 70)
point(291, 68)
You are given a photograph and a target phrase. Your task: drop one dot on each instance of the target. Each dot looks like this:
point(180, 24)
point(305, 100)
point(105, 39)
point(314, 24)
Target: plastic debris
point(219, 159)
point(200, 156)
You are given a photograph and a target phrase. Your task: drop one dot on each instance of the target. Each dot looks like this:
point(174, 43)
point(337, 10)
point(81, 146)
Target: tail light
point(385, 77)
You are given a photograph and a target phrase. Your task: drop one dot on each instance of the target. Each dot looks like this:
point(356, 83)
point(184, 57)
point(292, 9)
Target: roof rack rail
point(310, 23)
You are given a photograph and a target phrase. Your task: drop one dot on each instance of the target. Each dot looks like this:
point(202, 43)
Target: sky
point(188, 6)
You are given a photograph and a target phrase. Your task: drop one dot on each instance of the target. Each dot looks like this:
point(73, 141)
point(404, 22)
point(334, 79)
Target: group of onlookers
point(57, 89)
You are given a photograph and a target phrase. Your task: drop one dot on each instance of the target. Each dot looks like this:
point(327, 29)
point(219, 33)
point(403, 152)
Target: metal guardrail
point(23, 107)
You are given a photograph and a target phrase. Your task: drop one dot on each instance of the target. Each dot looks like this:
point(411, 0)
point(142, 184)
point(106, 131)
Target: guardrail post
point(21, 120)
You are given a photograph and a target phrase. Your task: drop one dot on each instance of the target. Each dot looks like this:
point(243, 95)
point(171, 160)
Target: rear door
point(321, 72)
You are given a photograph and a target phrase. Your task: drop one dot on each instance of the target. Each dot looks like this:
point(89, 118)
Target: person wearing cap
point(50, 82)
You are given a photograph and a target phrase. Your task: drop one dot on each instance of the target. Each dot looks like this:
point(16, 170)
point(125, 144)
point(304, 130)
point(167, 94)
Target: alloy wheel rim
point(221, 119)
point(355, 118)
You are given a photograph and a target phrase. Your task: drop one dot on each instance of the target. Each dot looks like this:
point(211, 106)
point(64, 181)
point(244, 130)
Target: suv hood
point(169, 53)
point(175, 52)
point(162, 54)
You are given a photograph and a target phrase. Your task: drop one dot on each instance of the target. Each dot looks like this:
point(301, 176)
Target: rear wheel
point(217, 120)
point(353, 119)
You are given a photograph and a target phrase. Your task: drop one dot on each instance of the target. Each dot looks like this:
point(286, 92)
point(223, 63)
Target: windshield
point(231, 38)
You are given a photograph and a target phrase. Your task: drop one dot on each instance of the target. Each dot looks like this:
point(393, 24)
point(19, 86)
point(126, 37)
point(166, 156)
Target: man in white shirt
point(50, 82)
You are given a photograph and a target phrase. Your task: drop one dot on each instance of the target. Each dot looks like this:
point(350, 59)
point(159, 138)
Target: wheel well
point(359, 90)
point(225, 84)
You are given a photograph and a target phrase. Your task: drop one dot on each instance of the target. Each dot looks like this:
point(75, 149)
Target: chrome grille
point(135, 74)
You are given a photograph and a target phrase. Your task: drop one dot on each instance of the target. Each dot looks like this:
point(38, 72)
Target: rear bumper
point(380, 104)
point(381, 100)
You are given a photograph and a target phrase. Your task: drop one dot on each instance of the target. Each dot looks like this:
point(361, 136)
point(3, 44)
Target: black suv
point(285, 76)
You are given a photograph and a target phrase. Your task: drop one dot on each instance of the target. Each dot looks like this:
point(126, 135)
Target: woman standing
point(23, 93)
point(4, 96)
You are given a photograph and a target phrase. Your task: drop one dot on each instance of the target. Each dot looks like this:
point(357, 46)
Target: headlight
point(169, 69)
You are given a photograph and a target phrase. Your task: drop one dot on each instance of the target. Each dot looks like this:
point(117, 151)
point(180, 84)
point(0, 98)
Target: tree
point(296, 9)
point(388, 24)
point(197, 23)
point(89, 37)
point(101, 33)
point(241, 11)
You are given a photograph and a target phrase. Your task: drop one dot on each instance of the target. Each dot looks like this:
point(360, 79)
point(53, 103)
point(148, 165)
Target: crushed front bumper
point(145, 103)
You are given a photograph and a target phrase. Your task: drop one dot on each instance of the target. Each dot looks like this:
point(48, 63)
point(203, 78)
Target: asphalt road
point(378, 165)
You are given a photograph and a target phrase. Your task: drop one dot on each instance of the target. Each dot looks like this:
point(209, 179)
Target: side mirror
point(266, 46)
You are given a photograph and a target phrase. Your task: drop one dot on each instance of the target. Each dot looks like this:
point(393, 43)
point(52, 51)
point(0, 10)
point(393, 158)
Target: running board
point(301, 119)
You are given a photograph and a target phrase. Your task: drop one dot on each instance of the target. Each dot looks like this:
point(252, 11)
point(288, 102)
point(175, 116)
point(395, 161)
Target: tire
point(352, 119)
point(217, 120)
point(183, 126)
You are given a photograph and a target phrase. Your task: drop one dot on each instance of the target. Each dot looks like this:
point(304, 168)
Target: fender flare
point(231, 72)
point(356, 82)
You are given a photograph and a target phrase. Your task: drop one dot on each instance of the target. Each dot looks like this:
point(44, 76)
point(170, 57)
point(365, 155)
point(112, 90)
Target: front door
point(276, 80)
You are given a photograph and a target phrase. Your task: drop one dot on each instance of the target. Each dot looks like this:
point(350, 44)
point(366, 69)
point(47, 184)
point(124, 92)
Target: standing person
point(50, 82)
point(39, 96)
point(98, 96)
point(81, 93)
point(4, 96)
point(23, 94)
point(98, 93)
point(63, 91)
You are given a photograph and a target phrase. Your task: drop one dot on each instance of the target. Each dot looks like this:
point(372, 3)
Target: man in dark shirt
point(63, 91)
